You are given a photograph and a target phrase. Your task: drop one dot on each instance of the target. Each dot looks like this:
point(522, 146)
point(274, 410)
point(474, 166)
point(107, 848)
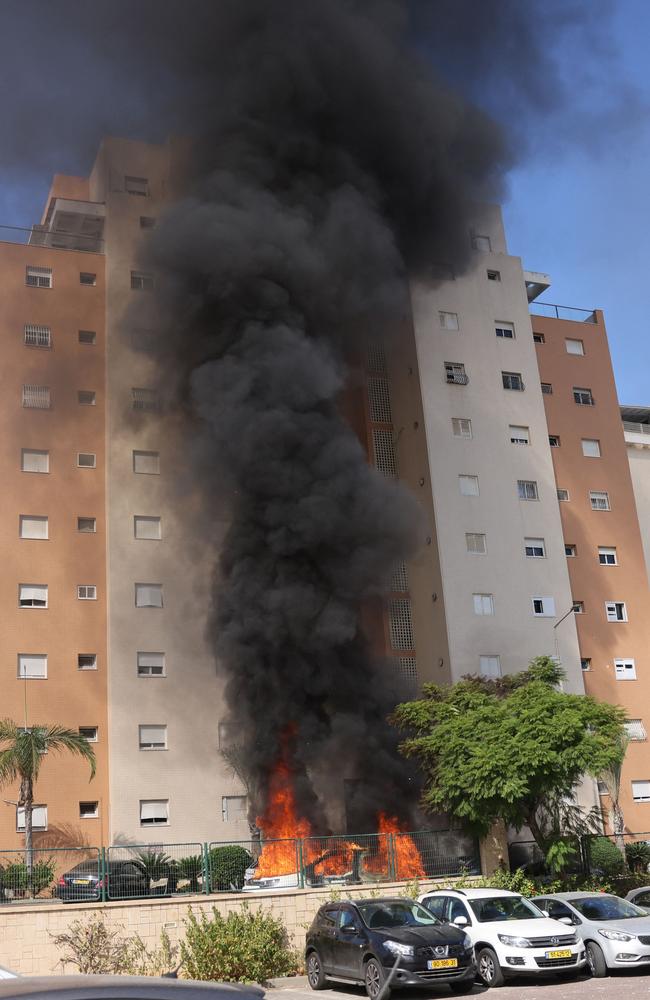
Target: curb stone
point(287, 982)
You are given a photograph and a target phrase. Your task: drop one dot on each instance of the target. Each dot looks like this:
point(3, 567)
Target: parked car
point(616, 933)
point(7, 973)
point(511, 935)
point(362, 940)
point(640, 897)
point(122, 988)
point(122, 879)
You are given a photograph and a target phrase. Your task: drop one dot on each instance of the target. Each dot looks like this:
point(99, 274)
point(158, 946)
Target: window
point(148, 595)
point(641, 791)
point(607, 556)
point(578, 607)
point(569, 551)
point(86, 460)
point(32, 595)
point(147, 527)
point(475, 543)
point(585, 663)
point(87, 661)
point(562, 494)
point(136, 185)
point(141, 281)
point(152, 737)
point(147, 222)
point(87, 525)
point(399, 581)
point(32, 666)
point(483, 604)
point(635, 729)
point(87, 337)
point(448, 320)
point(400, 622)
point(145, 399)
point(583, 397)
point(86, 397)
point(590, 448)
point(455, 373)
point(461, 427)
point(37, 397)
point(554, 440)
point(616, 611)
point(544, 607)
point(234, 808)
point(527, 489)
point(602, 788)
point(494, 275)
point(37, 336)
point(512, 380)
point(490, 666)
point(468, 486)
point(33, 527)
point(535, 548)
point(599, 500)
point(547, 388)
point(88, 810)
point(519, 435)
point(384, 450)
point(154, 812)
point(86, 278)
point(539, 338)
point(87, 592)
point(38, 277)
point(89, 733)
point(147, 462)
point(151, 664)
point(505, 331)
point(39, 818)
point(574, 346)
point(379, 399)
point(34, 461)
point(481, 243)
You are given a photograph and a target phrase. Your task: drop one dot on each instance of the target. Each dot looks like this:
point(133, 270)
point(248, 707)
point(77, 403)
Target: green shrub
point(605, 856)
point(95, 949)
point(228, 866)
point(243, 947)
point(16, 877)
point(638, 856)
point(191, 868)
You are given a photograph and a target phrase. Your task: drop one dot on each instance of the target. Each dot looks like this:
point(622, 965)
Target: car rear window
point(607, 908)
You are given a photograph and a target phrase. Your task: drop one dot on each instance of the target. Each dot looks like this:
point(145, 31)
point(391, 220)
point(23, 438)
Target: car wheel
point(374, 979)
point(489, 969)
point(596, 960)
point(315, 975)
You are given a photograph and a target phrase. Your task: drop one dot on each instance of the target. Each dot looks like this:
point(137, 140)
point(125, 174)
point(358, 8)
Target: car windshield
point(607, 908)
point(376, 913)
point(504, 908)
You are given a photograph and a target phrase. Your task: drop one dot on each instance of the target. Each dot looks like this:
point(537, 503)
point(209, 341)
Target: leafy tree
point(22, 752)
point(514, 748)
point(611, 776)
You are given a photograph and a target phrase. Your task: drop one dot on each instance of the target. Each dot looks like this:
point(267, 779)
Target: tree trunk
point(618, 826)
point(27, 802)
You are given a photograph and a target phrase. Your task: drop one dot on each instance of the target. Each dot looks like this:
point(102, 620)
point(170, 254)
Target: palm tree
point(612, 780)
point(21, 755)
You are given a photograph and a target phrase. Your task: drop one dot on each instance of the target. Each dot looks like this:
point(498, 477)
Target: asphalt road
point(620, 986)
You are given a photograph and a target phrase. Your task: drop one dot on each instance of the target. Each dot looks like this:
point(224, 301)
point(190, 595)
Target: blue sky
point(578, 202)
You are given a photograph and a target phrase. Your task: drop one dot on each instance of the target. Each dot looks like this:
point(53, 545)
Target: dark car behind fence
point(150, 870)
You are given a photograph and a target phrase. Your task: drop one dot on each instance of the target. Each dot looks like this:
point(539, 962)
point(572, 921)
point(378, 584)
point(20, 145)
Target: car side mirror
point(566, 920)
point(461, 921)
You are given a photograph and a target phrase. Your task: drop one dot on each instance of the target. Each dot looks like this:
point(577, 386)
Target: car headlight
point(515, 942)
point(397, 948)
point(615, 935)
point(467, 942)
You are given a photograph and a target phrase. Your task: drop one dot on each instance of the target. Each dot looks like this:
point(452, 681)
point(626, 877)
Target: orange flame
point(409, 862)
point(280, 824)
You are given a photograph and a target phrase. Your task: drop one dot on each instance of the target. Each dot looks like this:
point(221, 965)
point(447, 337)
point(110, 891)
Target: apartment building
point(600, 525)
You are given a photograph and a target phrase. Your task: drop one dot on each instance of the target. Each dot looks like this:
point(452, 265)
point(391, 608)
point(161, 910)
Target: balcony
point(457, 378)
point(71, 225)
point(563, 312)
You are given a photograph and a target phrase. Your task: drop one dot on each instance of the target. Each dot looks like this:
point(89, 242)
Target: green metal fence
point(350, 860)
point(254, 865)
point(66, 873)
point(153, 870)
point(433, 853)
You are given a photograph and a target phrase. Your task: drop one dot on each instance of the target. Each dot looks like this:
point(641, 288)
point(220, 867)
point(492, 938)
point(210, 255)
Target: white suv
point(510, 934)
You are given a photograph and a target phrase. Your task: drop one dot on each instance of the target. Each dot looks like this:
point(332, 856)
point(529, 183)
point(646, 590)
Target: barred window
point(635, 729)
point(461, 427)
point(399, 582)
point(37, 336)
point(527, 489)
point(401, 624)
point(37, 397)
point(376, 357)
point(379, 400)
point(407, 671)
point(142, 281)
point(136, 185)
point(38, 277)
point(385, 458)
point(145, 399)
point(475, 542)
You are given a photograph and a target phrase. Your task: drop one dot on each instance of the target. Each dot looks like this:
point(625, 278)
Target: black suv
point(362, 941)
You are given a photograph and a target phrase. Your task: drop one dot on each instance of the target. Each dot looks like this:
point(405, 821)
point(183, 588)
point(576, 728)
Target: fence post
point(586, 854)
point(391, 857)
point(299, 864)
point(206, 870)
point(103, 872)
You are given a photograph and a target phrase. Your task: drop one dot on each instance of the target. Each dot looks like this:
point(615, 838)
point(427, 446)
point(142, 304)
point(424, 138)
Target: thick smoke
point(331, 169)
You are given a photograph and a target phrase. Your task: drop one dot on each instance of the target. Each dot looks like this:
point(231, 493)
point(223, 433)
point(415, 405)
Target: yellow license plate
point(81, 881)
point(442, 963)
point(564, 953)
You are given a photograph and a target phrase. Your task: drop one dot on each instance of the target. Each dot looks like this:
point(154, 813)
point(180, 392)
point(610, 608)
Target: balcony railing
point(457, 378)
point(628, 425)
point(563, 312)
point(55, 239)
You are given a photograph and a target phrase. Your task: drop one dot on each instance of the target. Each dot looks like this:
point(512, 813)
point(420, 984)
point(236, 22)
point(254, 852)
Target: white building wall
point(513, 633)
